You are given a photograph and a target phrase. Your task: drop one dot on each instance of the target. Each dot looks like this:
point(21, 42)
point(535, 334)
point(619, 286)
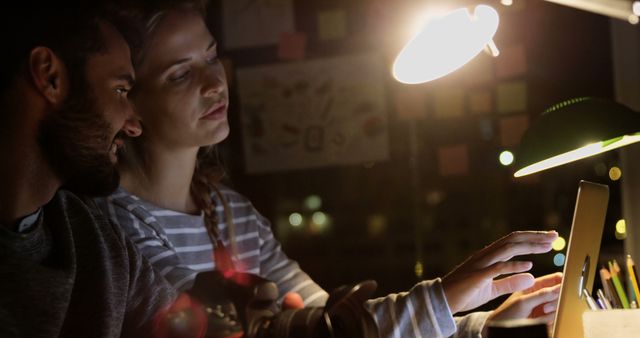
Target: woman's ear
point(49, 75)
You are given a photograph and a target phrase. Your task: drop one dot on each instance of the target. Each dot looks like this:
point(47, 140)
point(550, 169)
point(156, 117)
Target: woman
point(172, 205)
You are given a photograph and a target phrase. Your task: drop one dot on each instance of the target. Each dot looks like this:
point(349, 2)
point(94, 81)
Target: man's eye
point(122, 91)
point(212, 59)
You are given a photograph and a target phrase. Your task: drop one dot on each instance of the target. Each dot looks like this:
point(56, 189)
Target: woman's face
point(181, 92)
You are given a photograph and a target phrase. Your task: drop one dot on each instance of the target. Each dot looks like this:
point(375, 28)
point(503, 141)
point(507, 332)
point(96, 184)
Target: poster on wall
point(313, 113)
point(253, 23)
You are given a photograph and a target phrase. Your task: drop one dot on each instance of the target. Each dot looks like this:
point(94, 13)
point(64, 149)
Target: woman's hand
point(538, 301)
point(474, 282)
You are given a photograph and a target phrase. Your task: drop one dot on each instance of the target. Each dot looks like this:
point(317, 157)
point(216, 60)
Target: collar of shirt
point(27, 222)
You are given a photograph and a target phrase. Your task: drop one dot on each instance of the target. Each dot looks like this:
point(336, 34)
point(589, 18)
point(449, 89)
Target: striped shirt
point(179, 247)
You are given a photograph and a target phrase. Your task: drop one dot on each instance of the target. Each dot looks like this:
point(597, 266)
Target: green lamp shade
point(573, 130)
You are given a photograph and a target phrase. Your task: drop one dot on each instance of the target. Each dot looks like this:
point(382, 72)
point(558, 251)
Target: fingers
point(523, 236)
point(514, 244)
point(547, 312)
point(542, 296)
point(545, 282)
point(292, 301)
point(511, 284)
point(510, 250)
point(548, 318)
point(505, 268)
point(550, 307)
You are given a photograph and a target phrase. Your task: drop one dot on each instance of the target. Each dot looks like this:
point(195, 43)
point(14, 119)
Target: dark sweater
point(75, 275)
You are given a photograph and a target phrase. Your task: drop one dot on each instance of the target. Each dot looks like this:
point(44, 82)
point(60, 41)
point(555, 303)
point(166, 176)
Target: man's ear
point(49, 75)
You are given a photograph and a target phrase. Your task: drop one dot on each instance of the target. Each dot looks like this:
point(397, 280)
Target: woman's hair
point(140, 19)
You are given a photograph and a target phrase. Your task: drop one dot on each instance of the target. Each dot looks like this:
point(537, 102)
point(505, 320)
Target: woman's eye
point(179, 76)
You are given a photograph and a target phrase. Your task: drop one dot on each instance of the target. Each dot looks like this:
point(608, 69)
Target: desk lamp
point(573, 130)
point(446, 43)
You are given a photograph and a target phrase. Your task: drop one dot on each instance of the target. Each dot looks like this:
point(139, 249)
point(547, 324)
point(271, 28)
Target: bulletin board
point(324, 112)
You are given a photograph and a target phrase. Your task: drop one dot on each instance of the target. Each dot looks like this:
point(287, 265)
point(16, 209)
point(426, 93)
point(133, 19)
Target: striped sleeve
point(422, 312)
point(286, 273)
point(471, 325)
point(150, 240)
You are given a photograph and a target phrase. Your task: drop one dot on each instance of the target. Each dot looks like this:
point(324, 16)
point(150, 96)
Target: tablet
point(582, 258)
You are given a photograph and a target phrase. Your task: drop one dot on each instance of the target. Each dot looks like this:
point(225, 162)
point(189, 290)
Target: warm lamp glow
point(578, 154)
point(445, 44)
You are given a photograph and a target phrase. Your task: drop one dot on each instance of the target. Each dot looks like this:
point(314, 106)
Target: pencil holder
point(616, 323)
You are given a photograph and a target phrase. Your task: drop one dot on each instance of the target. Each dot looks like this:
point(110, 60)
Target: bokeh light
point(376, 225)
point(621, 229)
point(559, 244)
point(419, 269)
point(600, 169)
point(313, 202)
point(295, 219)
point(558, 259)
point(615, 173)
point(506, 158)
point(319, 218)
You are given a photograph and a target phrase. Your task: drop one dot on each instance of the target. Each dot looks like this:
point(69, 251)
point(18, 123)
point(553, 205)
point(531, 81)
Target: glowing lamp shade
point(445, 44)
point(573, 130)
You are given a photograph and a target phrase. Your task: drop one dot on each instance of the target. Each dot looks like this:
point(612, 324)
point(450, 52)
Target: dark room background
point(441, 192)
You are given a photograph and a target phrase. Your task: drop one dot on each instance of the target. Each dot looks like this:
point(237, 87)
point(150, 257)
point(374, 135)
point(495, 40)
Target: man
point(64, 270)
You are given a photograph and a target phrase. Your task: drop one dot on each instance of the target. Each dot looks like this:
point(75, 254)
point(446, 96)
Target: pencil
point(633, 278)
point(618, 286)
point(609, 290)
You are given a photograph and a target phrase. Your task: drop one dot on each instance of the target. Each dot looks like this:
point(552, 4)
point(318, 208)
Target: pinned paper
point(292, 46)
point(449, 103)
point(512, 128)
point(480, 102)
point(410, 102)
point(228, 70)
point(453, 160)
point(511, 97)
point(511, 62)
point(332, 24)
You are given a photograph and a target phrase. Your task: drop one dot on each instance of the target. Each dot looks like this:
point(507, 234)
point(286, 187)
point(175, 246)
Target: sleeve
point(144, 306)
point(148, 294)
point(471, 325)
point(286, 273)
point(152, 244)
point(422, 312)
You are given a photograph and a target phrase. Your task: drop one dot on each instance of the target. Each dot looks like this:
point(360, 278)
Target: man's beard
point(76, 141)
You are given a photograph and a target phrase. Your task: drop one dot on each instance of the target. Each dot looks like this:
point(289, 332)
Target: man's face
point(81, 138)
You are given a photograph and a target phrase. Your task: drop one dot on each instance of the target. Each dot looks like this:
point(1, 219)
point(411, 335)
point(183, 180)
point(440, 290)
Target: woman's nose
point(214, 82)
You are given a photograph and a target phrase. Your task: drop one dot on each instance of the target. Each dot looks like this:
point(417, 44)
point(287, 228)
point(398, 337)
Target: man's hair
point(68, 27)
